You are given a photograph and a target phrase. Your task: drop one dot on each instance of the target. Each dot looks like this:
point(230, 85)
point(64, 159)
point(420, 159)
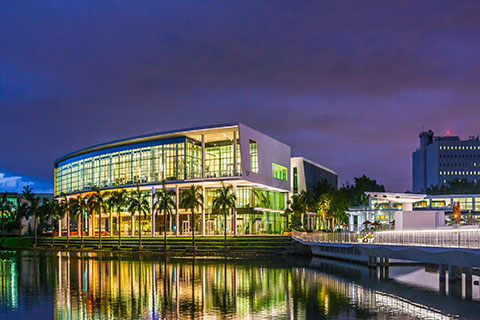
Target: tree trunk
point(118, 225)
point(3, 227)
point(225, 230)
point(68, 230)
point(164, 229)
point(51, 245)
point(82, 223)
point(35, 226)
point(193, 228)
point(100, 228)
point(140, 229)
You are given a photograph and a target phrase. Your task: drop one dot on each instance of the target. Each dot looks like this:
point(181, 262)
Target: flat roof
point(397, 197)
point(316, 164)
point(144, 138)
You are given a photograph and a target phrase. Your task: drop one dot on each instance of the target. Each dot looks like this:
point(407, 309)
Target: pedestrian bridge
point(455, 251)
point(460, 247)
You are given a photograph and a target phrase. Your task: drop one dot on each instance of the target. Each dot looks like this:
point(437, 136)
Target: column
point(203, 156)
point(153, 213)
point(133, 226)
point(234, 154)
point(111, 222)
point(350, 222)
point(454, 281)
point(203, 210)
point(59, 227)
point(468, 283)
point(442, 278)
point(177, 218)
point(235, 211)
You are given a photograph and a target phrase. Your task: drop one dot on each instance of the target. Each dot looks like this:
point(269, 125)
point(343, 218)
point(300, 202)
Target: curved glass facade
point(177, 160)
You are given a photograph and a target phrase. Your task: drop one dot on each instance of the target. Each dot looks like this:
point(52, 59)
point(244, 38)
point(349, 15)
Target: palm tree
point(99, 204)
point(299, 206)
point(192, 198)
point(27, 193)
point(224, 200)
point(138, 202)
point(35, 211)
point(50, 210)
point(64, 205)
point(5, 206)
point(80, 206)
point(166, 204)
point(119, 200)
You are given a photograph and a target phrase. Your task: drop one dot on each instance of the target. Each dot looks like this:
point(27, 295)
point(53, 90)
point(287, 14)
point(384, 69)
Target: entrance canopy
point(406, 199)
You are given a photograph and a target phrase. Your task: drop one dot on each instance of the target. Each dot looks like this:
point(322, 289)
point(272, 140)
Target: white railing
point(451, 238)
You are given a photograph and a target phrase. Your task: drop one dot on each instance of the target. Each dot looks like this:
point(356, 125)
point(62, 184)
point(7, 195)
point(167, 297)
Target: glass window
point(253, 156)
point(465, 203)
point(279, 172)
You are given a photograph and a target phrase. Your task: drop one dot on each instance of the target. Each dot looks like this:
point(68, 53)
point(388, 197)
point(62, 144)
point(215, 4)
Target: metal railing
point(448, 238)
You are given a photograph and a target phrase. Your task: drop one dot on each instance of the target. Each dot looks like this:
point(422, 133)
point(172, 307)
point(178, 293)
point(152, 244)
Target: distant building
point(441, 159)
point(382, 211)
point(306, 174)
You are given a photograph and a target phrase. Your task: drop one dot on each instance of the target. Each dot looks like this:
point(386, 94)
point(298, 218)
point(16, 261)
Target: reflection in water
point(85, 286)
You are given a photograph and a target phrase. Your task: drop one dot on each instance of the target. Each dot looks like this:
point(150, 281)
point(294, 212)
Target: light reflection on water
point(44, 285)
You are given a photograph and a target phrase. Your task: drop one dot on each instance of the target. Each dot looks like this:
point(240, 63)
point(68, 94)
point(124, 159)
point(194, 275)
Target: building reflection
point(86, 286)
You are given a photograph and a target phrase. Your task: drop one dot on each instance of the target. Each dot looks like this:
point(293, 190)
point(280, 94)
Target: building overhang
point(397, 197)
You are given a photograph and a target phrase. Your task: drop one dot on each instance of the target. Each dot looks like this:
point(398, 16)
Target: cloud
point(13, 183)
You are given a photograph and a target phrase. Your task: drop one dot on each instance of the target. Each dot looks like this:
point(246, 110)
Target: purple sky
point(348, 84)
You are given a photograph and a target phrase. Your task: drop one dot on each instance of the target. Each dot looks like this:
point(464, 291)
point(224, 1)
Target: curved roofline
point(137, 139)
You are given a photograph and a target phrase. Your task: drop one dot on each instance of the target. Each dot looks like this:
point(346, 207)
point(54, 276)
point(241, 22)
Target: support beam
point(59, 227)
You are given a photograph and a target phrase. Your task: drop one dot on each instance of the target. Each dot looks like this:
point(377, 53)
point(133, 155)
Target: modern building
point(256, 165)
point(306, 174)
point(440, 159)
point(382, 211)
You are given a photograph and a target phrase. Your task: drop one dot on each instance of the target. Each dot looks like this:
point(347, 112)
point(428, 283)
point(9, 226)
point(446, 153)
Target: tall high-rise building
point(442, 159)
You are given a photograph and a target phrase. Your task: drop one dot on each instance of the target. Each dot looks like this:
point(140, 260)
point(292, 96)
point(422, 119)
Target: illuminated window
point(279, 172)
point(295, 180)
point(253, 156)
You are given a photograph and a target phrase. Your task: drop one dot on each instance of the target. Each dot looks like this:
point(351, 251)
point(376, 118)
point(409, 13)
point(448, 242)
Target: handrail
point(450, 238)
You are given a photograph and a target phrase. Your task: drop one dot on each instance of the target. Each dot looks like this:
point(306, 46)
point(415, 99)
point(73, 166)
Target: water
point(44, 285)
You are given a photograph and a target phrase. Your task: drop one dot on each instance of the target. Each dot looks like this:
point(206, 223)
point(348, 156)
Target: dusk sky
point(347, 84)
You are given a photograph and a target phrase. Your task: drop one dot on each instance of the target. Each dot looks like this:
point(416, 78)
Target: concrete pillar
point(111, 222)
point(153, 213)
point(235, 212)
point(468, 283)
point(203, 156)
point(234, 153)
point(203, 210)
point(133, 226)
point(177, 218)
point(350, 223)
point(59, 227)
point(442, 269)
point(454, 281)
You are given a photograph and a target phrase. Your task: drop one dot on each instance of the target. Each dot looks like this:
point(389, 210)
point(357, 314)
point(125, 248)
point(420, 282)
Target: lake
point(73, 285)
